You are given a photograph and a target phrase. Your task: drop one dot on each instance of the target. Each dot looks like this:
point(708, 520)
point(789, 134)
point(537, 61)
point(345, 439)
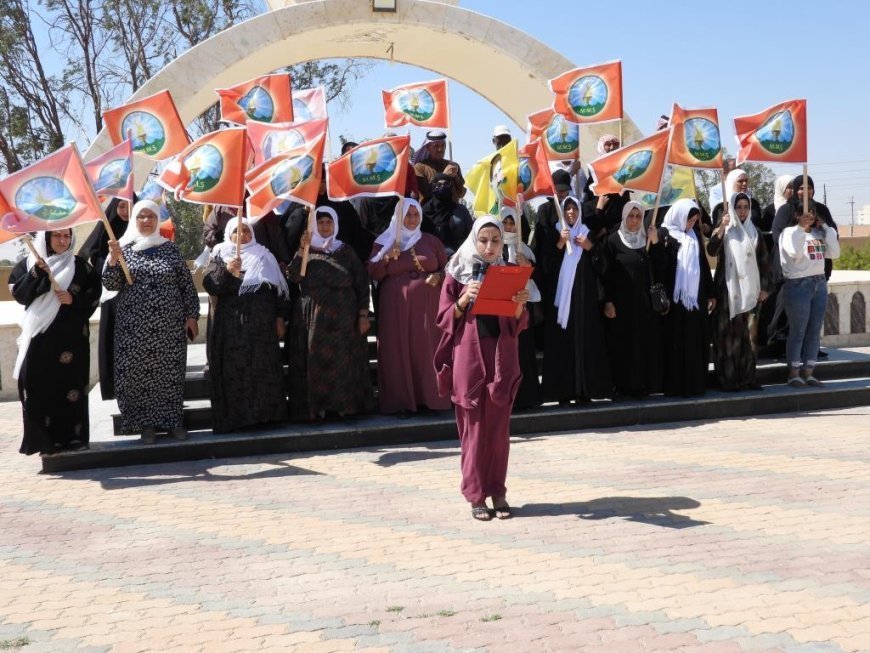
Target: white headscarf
point(515, 244)
point(569, 266)
point(407, 237)
point(331, 243)
point(741, 267)
point(779, 188)
point(632, 239)
point(258, 263)
point(42, 311)
point(603, 140)
point(731, 181)
point(461, 264)
point(688, 262)
point(134, 236)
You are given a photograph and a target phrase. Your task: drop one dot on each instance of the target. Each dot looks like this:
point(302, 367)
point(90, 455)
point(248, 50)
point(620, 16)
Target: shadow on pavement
point(658, 511)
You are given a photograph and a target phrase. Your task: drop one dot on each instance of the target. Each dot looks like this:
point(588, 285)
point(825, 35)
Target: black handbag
point(659, 298)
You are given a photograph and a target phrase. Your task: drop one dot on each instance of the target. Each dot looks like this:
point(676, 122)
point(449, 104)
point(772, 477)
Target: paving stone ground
point(742, 535)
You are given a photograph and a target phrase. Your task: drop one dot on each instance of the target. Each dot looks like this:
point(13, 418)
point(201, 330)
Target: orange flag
point(294, 175)
point(309, 104)
point(53, 193)
point(112, 173)
point(268, 141)
point(638, 166)
point(264, 99)
point(589, 95)
point(376, 168)
point(423, 104)
point(534, 171)
point(777, 134)
point(696, 142)
point(211, 170)
point(152, 123)
point(560, 138)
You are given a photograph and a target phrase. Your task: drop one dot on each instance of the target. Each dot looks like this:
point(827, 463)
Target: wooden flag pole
point(569, 246)
point(122, 261)
point(806, 191)
point(29, 242)
point(399, 219)
point(304, 269)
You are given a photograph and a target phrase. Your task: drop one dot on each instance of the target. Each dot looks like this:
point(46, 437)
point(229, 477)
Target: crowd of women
point(617, 306)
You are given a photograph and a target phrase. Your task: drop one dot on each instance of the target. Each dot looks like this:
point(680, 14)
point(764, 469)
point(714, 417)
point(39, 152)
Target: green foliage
point(853, 258)
point(18, 642)
point(395, 608)
point(188, 222)
point(492, 617)
point(761, 181)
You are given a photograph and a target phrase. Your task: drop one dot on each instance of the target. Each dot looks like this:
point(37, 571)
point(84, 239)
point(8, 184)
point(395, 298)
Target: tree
point(761, 181)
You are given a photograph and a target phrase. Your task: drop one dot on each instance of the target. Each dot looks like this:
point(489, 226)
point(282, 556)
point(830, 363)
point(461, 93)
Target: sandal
point(502, 511)
point(796, 382)
point(813, 381)
point(481, 513)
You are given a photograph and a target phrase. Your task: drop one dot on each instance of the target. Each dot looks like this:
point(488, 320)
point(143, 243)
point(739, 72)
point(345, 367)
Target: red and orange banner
point(211, 170)
point(589, 95)
point(560, 138)
point(424, 104)
point(309, 104)
point(268, 141)
point(534, 171)
point(152, 124)
point(264, 99)
point(638, 166)
point(696, 142)
point(777, 134)
point(293, 175)
point(53, 193)
point(376, 168)
point(112, 172)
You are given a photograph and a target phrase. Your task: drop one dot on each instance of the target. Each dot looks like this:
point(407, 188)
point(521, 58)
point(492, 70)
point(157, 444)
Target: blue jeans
point(804, 301)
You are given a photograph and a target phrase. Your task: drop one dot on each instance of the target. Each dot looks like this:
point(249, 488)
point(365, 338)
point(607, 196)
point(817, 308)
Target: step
point(379, 431)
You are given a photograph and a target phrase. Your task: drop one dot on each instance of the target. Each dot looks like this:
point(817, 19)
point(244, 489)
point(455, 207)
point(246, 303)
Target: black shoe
point(822, 354)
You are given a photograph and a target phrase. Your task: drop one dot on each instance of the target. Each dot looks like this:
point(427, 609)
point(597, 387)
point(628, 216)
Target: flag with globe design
point(638, 166)
point(533, 177)
point(309, 104)
point(291, 176)
point(776, 135)
point(589, 95)
point(695, 142)
point(424, 104)
point(264, 99)
point(53, 193)
point(152, 124)
point(559, 137)
point(376, 168)
point(268, 141)
point(211, 170)
point(112, 172)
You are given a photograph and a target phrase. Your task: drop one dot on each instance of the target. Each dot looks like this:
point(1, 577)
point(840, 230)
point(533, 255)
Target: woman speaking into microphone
point(477, 364)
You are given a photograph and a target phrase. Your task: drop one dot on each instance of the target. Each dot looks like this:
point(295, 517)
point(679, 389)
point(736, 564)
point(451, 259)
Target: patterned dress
point(150, 347)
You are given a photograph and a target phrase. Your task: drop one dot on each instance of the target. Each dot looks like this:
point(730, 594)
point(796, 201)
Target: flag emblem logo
point(146, 131)
point(301, 110)
point(257, 104)
point(634, 166)
point(777, 134)
point(588, 95)
point(372, 166)
point(417, 103)
point(47, 198)
point(287, 175)
point(113, 175)
point(525, 175)
point(205, 165)
point(563, 136)
point(279, 142)
point(702, 138)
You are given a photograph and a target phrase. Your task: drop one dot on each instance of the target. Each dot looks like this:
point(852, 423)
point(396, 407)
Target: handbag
point(659, 298)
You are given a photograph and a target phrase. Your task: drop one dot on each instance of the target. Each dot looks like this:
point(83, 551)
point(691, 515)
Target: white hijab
point(779, 188)
point(515, 244)
point(407, 237)
point(42, 311)
point(330, 243)
point(632, 239)
point(688, 262)
point(133, 235)
point(741, 266)
point(461, 264)
point(258, 263)
point(568, 270)
point(731, 180)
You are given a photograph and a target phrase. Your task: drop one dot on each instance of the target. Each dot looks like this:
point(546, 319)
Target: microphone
point(478, 271)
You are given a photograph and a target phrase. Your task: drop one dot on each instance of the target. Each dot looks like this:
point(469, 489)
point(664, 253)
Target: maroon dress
point(481, 375)
point(407, 333)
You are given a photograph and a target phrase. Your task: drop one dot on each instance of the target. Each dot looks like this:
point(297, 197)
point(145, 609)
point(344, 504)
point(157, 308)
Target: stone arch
point(832, 316)
point(858, 313)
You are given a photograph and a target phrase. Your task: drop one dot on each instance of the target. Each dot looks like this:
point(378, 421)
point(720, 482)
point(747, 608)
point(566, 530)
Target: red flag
point(635, 167)
point(211, 170)
point(293, 175)
point(377, 168)
point(112, 172)
point(53, 193)
point(589, 95)
point(264, 99)
point(309, 104)
point(268, 141)
point(152, 123)
point(560, 138)
point(534, 171)
point(777, 134)
point(423, 104)
point(167, 230)
point(696, 142)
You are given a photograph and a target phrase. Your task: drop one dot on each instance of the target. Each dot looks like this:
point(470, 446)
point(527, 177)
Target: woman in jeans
point(803, 249)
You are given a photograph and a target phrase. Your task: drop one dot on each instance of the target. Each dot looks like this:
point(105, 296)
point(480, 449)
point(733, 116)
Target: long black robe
point(634, 336)
point(53, 381)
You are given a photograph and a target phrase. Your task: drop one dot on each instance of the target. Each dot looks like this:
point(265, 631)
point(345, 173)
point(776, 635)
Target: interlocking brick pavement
point(731, 536)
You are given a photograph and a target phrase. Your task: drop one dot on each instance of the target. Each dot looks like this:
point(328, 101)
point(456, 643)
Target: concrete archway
point(504, 65)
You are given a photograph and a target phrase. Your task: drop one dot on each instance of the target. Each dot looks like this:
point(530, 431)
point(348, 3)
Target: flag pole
point(399, 219)
point(806, 191)
point(569, 247)
point(29, 242)
point(304, 269)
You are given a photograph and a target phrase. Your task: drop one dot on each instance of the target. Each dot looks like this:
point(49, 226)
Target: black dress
point(53, 381)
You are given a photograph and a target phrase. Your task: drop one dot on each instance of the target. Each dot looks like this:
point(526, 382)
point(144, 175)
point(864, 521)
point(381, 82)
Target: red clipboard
point(500, 284)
